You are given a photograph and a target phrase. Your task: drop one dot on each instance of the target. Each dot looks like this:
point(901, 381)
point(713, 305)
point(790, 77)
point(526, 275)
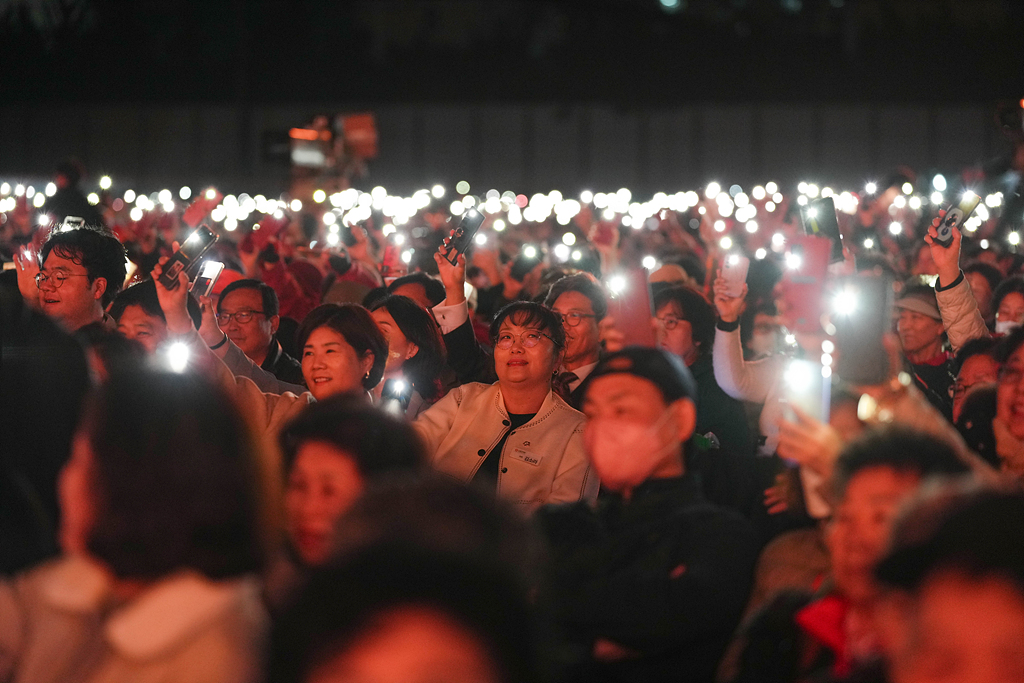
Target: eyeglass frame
point(56, 278)
point(564, 317)
point(229, 316)
point(664, 322)
point(519, 336)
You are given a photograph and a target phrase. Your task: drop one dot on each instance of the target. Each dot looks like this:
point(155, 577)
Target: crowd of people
point(383, 460)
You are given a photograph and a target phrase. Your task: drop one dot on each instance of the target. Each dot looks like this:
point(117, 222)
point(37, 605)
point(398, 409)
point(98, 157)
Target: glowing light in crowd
point(870, 188)
point(914, 203)
point(869, 243)
point(456, 208)
point(399, 239)
point(330, 218)
point(616, 284)
point(177, 356)
point(185, 192)
point(994, 200)
point(895, 227)
point(40, 199)
point(802, 200)
point(760, 253)
point(899, 201)
point(93, 198)
point(51, 189)
point(769, 206)
point(569, 239)
point(135, 214)
point(845, 302)
point(937, 197)
point(5, 188)
point(437, 191)
point(827, 346)
point(908, 188)
point(751, 227)
point(778, 239)
point(793, 261)
point(498, 225)
point(726, 242)
point(480, 239)
point(561, 252)
point(105, 182)
point(319, 196)
point(719, 226)
point(649, 262)
point(577, 254)
point(333, 239)
point(758, 193)
point(129, 196)
point(462, 187)
point(407, 256)
point(712, 190)
point(296, 205)
point(586, 196)
point(1013, 238)
point(771, 187)
point(530, 251)
point(19, 190)
point(939, 182)
point(230, 223)
point(983, 244)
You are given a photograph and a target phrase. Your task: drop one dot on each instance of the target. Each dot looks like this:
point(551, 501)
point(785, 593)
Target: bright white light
point(649, 262)
point(981, 212)
point(915, 203)
point(40, 199)
point(778, 239)
point(135, 214)
point(576, 254)
point(939, 182)
point(498, 225)
point(793, 261)
point(480, 239)
point(802, 200)
point(812, 213)
point(751, 227)
point(899, 201)
point(561, 252)
point(230, 223)
point(726, 242)
point(616, 284)
point(1013, 238)
point(319, 196)
point(333, 239)
point(330, 218)
point(760, 254)
point(296, 205)
point(5, 188)
point(994, 200)
point(771, 187)
point(869, 243)
point(983, 244)
point(43, 219)
point(908, 188)
point(105, 182)
point(586, 196)
point(826, 359)
point(719, 226)
point(93, 198)
point(129, 196)
point(827, 192)
point(790, 339)
point(712, 190)
point(569, 239)
point(437, 191)
point(802, 188)
point(407, 256)
point(870, 188)
point(530, 251)
point(399, 239)
point(51, 189)
point(769, 206)
point(799, 375)
point(758, 193)
point(608, 215)
point(177, 356)
point(845, 302)
point(185, 192)
point(812, 190)
point(164, 196)
point(827, 346)
point(937, 197)
point(895, 228)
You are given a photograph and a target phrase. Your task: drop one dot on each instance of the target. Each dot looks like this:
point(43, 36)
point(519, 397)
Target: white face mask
point(625, 453)
point(1006, 326)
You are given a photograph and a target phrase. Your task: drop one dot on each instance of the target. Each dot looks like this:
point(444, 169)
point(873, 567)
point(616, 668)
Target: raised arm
point(742, 380)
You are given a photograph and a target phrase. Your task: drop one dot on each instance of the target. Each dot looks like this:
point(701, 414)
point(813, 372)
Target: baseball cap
point(657, 366)
point(920, 302)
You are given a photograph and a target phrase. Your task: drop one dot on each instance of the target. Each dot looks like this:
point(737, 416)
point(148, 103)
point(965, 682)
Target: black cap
point(657, 366)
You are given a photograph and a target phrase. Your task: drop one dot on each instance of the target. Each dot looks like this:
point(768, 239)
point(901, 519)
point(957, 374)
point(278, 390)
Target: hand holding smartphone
point(819, 218)
point(462, 237)
point(803, 282)
point(187, 255)
point(734, 272)
point(207, 278)
point(955, 217)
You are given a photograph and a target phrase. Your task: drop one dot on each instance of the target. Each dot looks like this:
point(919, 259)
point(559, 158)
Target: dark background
point(530, 94)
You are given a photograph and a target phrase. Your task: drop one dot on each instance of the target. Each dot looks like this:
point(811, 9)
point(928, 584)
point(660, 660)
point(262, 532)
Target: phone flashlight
point(845, 302)
point(617, 284)
point(395, 396)
point(177, 356)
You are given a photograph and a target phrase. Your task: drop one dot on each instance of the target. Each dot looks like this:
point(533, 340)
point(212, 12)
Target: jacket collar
point(163, 616)
point(273, 355)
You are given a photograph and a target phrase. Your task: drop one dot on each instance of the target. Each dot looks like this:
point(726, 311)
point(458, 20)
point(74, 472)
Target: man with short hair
point(922, 338)
point(581, 304)
point(82, 270)
point(421, 288)
point(651, 583)
point(247, 312)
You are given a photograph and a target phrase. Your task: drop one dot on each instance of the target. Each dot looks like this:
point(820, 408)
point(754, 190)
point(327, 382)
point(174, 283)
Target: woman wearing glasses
point(516, 436)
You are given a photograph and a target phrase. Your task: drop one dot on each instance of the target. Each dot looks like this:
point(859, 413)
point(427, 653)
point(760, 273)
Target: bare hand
point(729, 307)
point(611, 338)
point(28, 268)
point(174, 302)
point(809, 442)
point(209, 329)
point(782, 496)
point(453, 277)
point(947, 259)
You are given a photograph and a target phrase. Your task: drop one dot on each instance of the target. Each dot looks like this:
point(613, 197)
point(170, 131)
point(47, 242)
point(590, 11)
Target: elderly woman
point(515, 436)
point(162, 535)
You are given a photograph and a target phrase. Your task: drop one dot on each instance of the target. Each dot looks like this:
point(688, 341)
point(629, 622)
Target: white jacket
point(960, 315)
point(542, 462)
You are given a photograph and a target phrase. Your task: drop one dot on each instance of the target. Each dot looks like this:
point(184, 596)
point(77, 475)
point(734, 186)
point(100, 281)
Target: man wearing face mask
point(650, 584)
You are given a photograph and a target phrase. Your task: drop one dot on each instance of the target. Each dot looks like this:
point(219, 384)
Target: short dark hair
point(424, 369)
point(965, 528)
point(1007, 286)
point(987, 271)
point(95, 249)
point(695, 309)
point(116, 352)
point(982, 346)
point(271, 307)
point(897, 447)
point(376, 441)
point(143, 295)
point(527, 313)
point(359, 329)
point(1009, 344)
point(586, 285)
point(433, 288)
point(175, 478)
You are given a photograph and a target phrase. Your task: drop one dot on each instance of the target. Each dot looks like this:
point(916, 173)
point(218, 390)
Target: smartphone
point(734, 271)
point(803, 282)
point(463, 235)
point(187, 255)
point(861, 313)
point(391, 266)
point(805, 386)
point(819, 218)
point(955, 217)
point(524, 263)
point(395, 396)
point(207, 278)
point(633, 310)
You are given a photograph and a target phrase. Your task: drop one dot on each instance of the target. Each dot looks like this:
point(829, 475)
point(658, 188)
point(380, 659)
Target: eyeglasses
point(670, 323)
point(527, 339)
point(56, 278)
point(573, 318)
point(242, 317)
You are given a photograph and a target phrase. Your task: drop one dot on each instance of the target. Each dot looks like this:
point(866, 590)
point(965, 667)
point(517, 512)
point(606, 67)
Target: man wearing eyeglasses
point(580, 303)
point(247, 313)
point(82, 270)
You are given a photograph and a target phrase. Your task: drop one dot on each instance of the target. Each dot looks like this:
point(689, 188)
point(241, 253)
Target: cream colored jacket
point(542, 462)
point(59, 623)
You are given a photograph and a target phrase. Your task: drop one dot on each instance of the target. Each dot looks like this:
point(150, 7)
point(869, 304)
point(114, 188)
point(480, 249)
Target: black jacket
point(281, 365)
point(666, 575)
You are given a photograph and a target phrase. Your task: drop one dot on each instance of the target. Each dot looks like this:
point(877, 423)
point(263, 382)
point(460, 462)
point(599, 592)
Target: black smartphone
point(955, 217)
point(819, 219)
point(187, 255)
point(463, 235)
point(207, 278)
point(861, 313)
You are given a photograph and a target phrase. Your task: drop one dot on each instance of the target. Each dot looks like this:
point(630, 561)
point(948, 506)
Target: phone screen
point(632, 309)
point(734, 270)
point(861, 312)
point(803, 282)
point(819, 219)
point(190, 251)
point(207, 278)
